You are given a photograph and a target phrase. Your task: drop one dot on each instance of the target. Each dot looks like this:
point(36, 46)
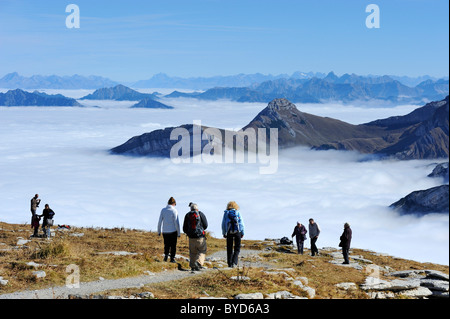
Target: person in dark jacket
point(194, 226)
point(346, 239)
point(300, 236)
point(48, 214)
point(314, 232)
point(35, 201)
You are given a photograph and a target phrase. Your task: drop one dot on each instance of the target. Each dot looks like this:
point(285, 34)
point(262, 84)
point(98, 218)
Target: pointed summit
point(281, 104)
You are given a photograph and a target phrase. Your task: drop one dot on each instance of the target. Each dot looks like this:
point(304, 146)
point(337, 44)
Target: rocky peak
point(280, 105)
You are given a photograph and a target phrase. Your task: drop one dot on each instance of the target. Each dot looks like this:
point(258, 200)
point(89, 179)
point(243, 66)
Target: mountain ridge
point(424, 139)
point(19, 97)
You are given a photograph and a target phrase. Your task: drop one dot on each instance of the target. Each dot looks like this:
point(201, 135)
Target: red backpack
point(195, 225)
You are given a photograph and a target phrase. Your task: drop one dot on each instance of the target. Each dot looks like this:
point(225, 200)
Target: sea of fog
point(62, 154)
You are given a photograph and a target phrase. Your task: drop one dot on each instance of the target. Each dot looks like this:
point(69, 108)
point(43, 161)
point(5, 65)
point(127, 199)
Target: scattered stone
point(435, 274)
point(118, 253)
point(381, 295)
point(420, 292)
point(309, 291)
point(3, 282)
point(346, 285)
point(255, 295)
point(39, 274)
point(373, 283)
point(240, 278)
point(33, 264)
point(433, 284)
point(146, 295)
point(283, 295)
point(304, 280)
point(401, 284)
point(339, 262)
point(21, 241)
point(76, 234)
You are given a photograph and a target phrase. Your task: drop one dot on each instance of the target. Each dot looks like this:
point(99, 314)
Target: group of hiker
point(194, 226)
point(314, 232)
point(47, 214)
point(195, 223)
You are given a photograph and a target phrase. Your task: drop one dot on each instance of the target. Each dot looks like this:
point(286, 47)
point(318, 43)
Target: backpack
point(195, 225)
point(233, 224)
point(285, 241)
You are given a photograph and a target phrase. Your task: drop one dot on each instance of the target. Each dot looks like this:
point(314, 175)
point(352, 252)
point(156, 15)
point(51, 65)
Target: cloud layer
point(61, 153)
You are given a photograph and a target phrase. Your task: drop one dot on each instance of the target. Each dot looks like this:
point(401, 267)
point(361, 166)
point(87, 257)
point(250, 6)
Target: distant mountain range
point(347, 88)
point(23, 98)
point(302, 87)
point(119, 92)
point(404, 137)
point(162, 80)
point(16, 81)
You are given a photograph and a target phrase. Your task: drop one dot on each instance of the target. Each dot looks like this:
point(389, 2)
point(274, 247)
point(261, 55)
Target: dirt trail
point(87, 288)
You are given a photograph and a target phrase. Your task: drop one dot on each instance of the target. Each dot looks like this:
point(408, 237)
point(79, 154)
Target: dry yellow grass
point(63, 250)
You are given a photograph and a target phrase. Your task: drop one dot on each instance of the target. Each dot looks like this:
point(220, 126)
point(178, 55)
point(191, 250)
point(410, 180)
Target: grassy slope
point(63, 250)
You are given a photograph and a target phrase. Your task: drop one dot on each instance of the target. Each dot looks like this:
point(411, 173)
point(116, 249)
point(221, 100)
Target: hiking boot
point(172, 260)
point(165, 257)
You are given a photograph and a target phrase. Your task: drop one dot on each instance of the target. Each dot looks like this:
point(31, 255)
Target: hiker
point(300, 236)
point(194, 226)
point(346, 239)
point(168, 219)
point(48, 214)
point(314, 232)
point(233, 231)
point(35, 201)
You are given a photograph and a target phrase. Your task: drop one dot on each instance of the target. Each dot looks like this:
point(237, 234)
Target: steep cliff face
point(299, 128)
point(421, 134)
point(428, 138)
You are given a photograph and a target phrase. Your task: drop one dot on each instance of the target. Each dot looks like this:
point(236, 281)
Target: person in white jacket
point(169, 226)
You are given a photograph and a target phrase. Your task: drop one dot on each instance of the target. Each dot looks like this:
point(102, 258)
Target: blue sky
point(135, 39)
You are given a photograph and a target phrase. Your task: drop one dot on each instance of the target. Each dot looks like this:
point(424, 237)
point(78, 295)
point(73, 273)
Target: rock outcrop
point(432, 200)
point(440, 171)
